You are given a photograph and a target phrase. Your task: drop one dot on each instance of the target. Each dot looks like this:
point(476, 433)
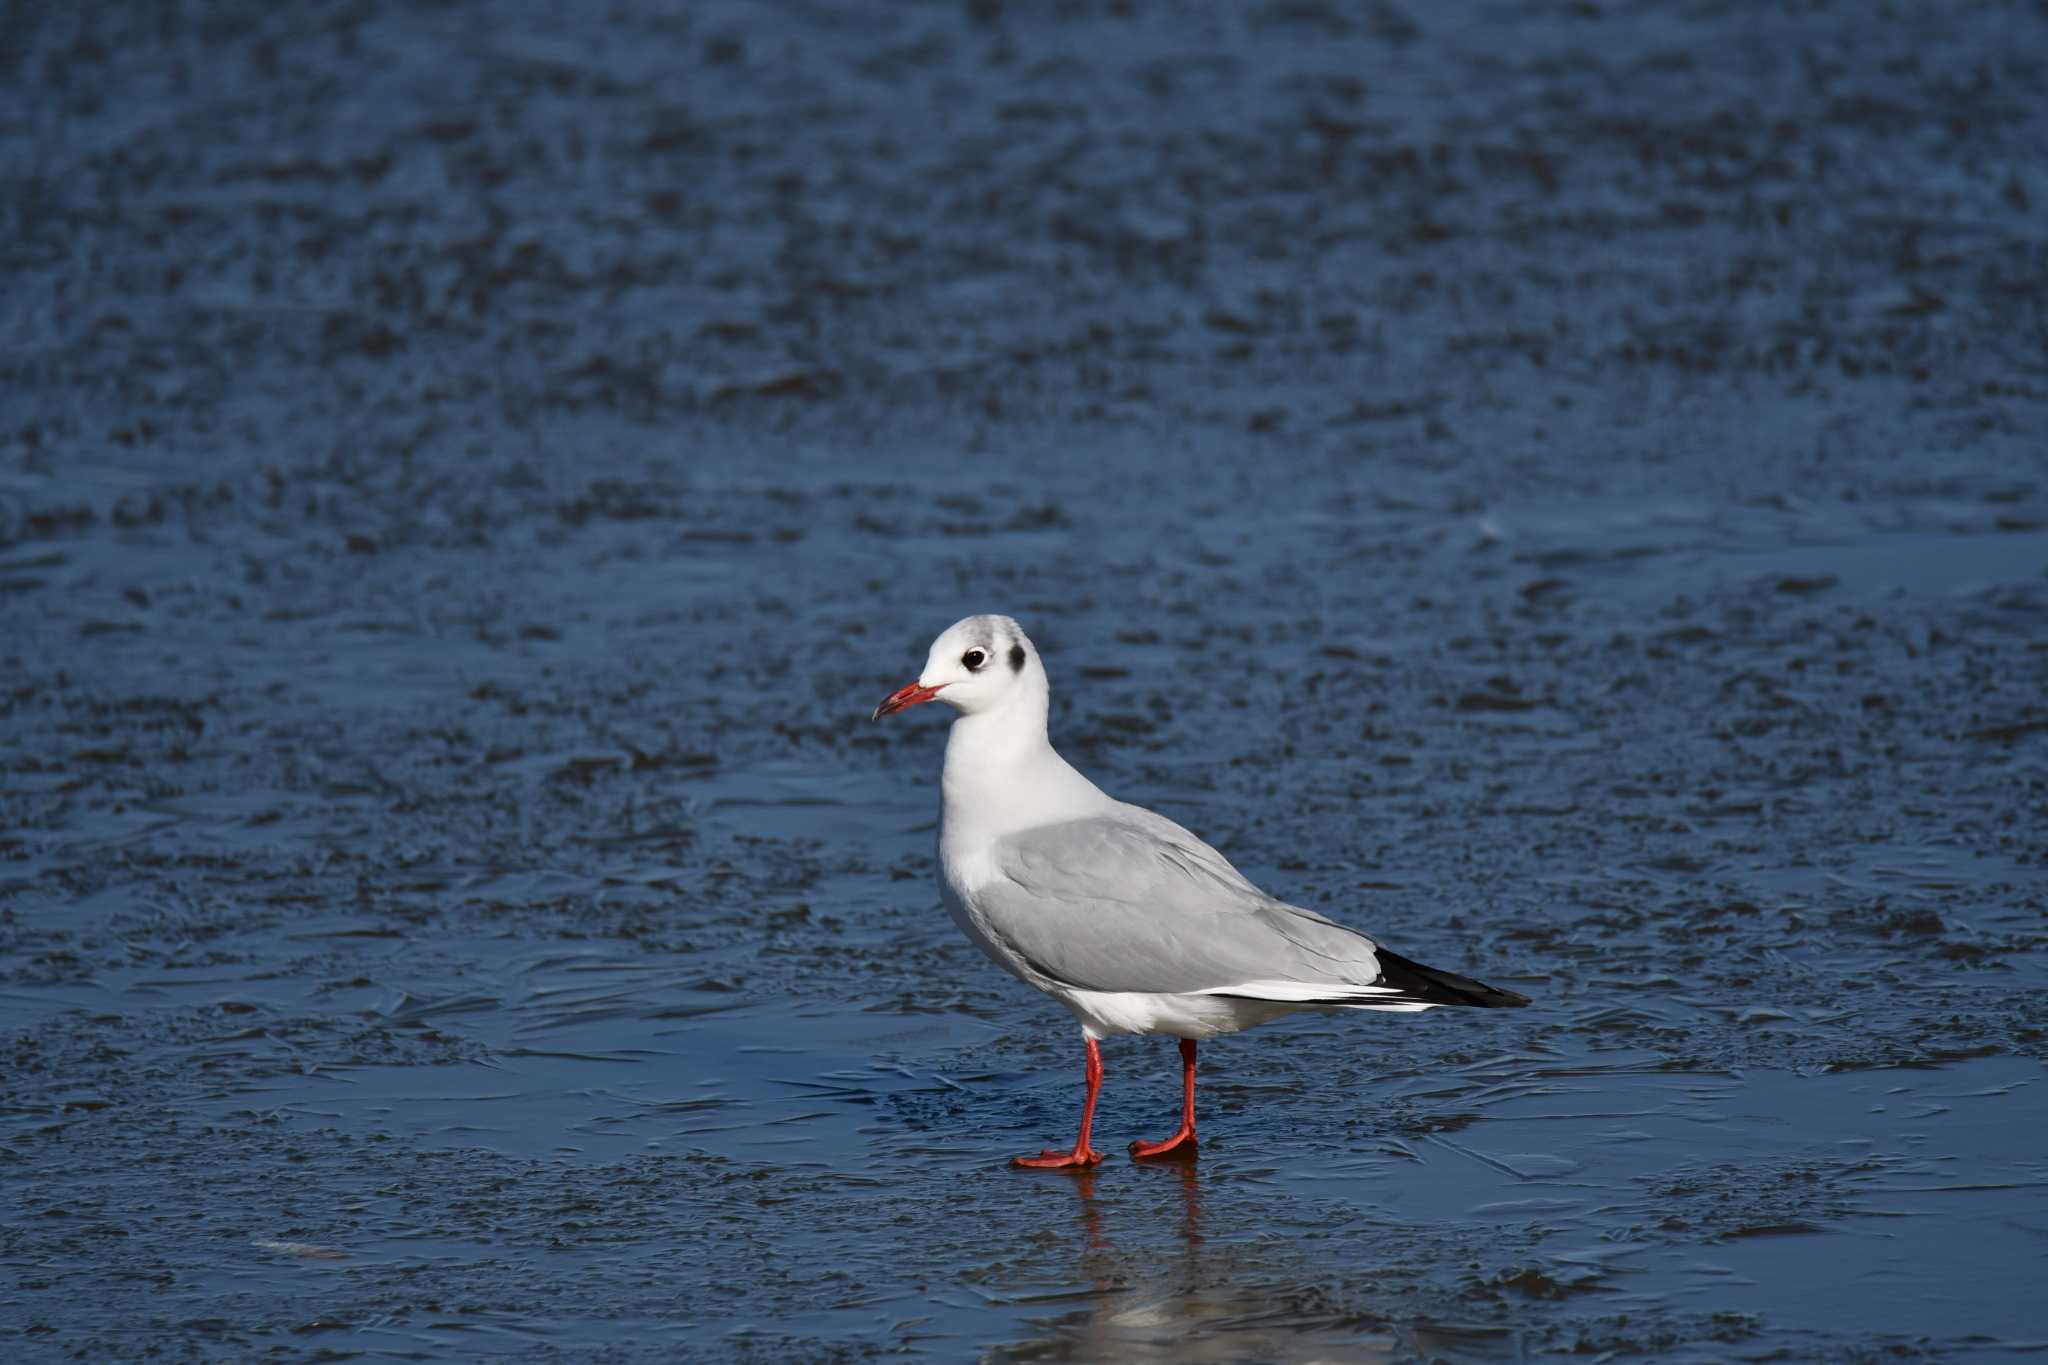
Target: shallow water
point(1560, 489)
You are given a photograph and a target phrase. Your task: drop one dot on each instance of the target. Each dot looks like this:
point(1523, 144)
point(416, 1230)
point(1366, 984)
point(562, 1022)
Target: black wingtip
point(1430, 986)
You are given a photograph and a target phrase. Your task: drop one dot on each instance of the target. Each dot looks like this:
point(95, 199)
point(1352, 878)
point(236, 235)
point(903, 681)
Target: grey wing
point(1139, 904)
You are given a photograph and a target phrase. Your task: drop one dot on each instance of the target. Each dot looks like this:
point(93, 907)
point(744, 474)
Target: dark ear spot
point(1016, 658)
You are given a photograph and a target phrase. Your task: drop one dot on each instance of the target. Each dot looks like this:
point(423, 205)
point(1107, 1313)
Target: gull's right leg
point(1083, 1156)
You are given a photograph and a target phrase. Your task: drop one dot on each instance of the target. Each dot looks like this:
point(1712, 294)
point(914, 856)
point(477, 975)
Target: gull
point(1124, 917)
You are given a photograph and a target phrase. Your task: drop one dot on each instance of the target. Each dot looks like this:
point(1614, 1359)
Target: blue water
point(1559, 488)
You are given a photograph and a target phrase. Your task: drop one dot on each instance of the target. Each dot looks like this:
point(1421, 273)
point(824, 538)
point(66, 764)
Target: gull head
point(981, 663)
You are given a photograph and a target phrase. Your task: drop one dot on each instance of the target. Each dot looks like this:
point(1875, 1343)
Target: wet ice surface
point(1562, 491)
point(668, 1166)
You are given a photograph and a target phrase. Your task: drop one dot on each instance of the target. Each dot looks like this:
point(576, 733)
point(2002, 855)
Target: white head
point(982, 663)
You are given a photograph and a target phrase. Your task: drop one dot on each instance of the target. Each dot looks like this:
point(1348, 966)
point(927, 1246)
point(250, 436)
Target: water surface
point(1560, 488)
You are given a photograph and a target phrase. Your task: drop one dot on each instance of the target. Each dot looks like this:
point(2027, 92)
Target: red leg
point(1182, 1144)
point(1083, 1156)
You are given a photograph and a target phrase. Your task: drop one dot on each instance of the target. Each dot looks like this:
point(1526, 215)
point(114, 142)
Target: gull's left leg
point(1182, 1144)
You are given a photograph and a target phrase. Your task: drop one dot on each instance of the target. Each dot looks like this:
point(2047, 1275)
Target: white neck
point(1002, 775)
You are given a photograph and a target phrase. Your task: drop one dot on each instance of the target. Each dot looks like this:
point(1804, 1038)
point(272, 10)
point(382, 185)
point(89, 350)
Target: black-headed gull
point(1121, 915)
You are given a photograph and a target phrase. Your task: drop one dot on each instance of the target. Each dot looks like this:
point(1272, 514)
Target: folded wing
point(1116, 903)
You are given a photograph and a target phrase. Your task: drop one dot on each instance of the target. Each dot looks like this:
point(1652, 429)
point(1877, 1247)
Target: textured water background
point(1560, 487)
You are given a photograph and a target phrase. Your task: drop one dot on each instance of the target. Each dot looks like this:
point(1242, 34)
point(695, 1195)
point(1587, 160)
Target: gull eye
point(974, 659)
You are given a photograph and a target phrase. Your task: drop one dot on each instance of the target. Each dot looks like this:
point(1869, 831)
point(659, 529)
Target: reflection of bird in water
point(1190, 1180)
point(1090, 1212)
point(1088, 1208)
point(1148, 1303)
point(1127, 919)
point(1192, 1303)
point(1191, 1205)
point(1202, 1325)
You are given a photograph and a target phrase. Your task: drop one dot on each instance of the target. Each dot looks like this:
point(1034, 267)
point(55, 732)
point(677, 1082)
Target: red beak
point(910, 694)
